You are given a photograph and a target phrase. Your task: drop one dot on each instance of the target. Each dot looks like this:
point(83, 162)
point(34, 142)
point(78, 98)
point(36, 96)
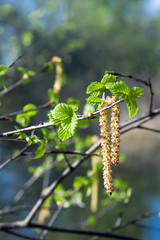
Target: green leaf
point(132, 107)
point(108, 80)
point(91, 220)
point(120, 90)
point(55, 121)
point(30, 107)
point(73, 101)
point(3, 84)
point(65, 118)
point(3, 70)
point(53, 96)
point(70, 124)
point(63, 134)
point(24, 118)
point(41, 149)
point(62, 111)
point(26, 74)
point(136, 92)
point(79, 182)
point(92, 100)
point(32, 140)
point(26, 71)
point(95, 88)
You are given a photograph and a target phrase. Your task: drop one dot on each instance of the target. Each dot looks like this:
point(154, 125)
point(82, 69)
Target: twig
point(21, 81)
point(9, 160)
point(30, 182)
point(20, 235)
point(64, 152)
point(14, 62)
point(147, 227)
point(31, 128)
point(11, 210)
point(151, 99)
point(137, 219)
point(7, 116)
point(81, 232)
point(132, 77)
point(51, 222)
point(149, 129)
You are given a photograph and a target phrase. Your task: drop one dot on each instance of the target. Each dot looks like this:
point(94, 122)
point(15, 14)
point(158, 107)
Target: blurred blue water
point(153, 221)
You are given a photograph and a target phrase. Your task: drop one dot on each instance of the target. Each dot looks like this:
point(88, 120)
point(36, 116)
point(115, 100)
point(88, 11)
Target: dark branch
point(82, 232)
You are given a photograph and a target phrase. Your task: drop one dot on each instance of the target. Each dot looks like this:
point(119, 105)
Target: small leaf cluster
point(24, 118)
point(118, 89)
point(26, 74)
point(64, 116)
point(42, 148)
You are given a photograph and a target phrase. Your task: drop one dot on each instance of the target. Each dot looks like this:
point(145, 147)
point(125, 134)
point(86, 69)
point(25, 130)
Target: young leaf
point(65, 118)
point(24, 118)
point(3, 84)
point(95, 88)
point(62, 111)
point(64, 134)
point(42, 148)
point(108, 80)
point(120, 90)
point(73, 101)
point(93, 100)
point(132, 107)
point(3, 70)
point(26, 71)
point(136, 92)
point(30, 107)
point(32, 139)
point(26, 74)
point(53, 96)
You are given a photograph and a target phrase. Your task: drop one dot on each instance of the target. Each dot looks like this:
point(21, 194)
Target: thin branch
point(12, 86)
point(20, 235)
point(81, 232)
point(51, 222)
point(131, 77)
point(137, 219)
point(31, 128)
point(14, 62)
point(11, 210)
point(147, 227)
point(149, 129)
point(31, 181)
point(7, 116)
point(64, 152)
point(151, 99)
point(9, 160)
point(21, 81)
point(67, 161)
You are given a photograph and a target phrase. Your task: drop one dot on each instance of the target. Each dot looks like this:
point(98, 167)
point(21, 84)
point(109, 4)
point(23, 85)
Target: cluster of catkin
point(110, 147)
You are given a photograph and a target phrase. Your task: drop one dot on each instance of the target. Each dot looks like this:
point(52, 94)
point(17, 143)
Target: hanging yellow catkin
point(115, 133)
point(105, 144)
point(59, 71)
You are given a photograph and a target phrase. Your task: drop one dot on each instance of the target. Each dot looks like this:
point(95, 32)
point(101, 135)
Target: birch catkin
point(105, 144)
point(115, 133)
point(110, 152)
